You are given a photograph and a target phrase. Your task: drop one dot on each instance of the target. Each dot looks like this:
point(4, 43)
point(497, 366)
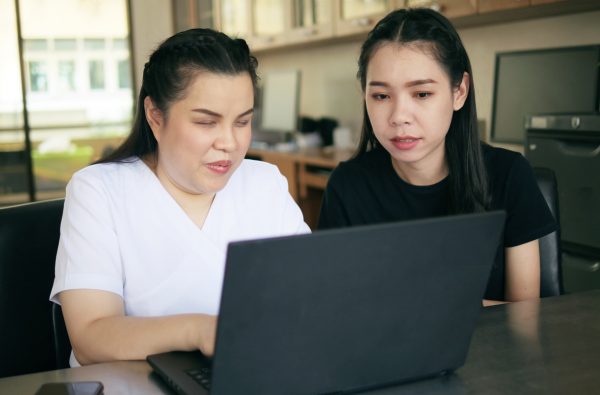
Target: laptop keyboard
point(201, 376)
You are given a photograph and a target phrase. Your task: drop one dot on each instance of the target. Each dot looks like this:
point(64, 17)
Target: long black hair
point(171, 69)
point(467, 175)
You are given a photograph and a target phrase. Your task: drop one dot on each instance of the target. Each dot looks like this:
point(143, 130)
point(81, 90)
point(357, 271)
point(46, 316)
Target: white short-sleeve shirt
point(122, 232)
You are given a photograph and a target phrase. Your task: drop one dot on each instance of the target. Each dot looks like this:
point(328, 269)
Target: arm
point(522, 278)
point(99, 331)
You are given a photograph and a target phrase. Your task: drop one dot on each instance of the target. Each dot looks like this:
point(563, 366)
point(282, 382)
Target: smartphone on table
point(71, 388)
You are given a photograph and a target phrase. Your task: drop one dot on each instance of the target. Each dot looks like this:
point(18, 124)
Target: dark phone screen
point(74, 388)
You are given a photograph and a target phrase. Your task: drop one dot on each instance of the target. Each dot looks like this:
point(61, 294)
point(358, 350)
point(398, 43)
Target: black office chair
point(551, 281)
point(33, 337)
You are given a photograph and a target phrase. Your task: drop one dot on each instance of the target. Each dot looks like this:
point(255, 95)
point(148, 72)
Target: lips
point(220, 167)
point(405, 142)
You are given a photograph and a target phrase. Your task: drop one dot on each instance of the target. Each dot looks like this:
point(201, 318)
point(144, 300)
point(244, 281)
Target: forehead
point(392, 61)
point(207, 87)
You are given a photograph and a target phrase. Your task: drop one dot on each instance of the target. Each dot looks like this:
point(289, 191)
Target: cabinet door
point(538, 2)
point(450, 8)
point(270, 21)
point(355, 16)
point(499, 5)
point(189, 14)
point(311, 20)
point(232, 17)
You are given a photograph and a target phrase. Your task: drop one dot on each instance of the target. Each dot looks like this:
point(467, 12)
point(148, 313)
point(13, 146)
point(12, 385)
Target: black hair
point(171, 69)
point(469, 191)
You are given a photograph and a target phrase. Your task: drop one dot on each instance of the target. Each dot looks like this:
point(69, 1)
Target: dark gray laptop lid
point(352, 308)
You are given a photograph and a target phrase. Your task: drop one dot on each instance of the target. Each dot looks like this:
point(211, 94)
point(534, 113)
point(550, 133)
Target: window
point(66, 75)
point(124, 72)
point(96, 74)
point(77, 75)
point(38, 76)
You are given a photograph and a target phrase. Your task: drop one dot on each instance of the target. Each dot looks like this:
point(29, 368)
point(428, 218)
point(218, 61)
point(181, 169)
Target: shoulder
point(110, 178)
point(255, 171)
point(500, 156)
point(503, 163)
point(106, 171)
point(362, 167)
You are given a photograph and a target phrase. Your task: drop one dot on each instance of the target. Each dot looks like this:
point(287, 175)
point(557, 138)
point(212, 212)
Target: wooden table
point(548, 346)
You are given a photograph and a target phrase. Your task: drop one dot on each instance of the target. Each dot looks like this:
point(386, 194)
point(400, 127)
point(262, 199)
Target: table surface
point(548, 346)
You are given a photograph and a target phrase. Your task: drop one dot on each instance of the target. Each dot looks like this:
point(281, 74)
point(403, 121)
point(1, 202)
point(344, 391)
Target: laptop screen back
point(352, 308)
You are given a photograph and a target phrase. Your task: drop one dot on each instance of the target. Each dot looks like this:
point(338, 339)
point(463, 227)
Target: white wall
point(329, 86)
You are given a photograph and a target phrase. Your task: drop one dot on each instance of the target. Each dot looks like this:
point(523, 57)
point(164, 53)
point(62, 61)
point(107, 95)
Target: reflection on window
point(66, 75)
point(124, 74)
point(96, 73)
point(38, 76)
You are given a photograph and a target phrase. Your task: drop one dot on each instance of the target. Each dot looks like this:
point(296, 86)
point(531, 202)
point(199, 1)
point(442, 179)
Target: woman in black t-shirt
point(420, 154)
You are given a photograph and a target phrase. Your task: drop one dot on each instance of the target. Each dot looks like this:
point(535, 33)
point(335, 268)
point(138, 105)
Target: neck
point(428, 171)
point(195, 205)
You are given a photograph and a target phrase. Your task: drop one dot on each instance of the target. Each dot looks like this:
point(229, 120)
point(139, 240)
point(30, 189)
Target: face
point(205, 136)
point(410, 102)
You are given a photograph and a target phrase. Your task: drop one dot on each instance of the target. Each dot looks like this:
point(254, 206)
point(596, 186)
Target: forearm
point(130, 338)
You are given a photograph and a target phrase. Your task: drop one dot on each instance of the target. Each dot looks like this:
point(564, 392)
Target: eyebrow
point(217, 115)
point(408, 84)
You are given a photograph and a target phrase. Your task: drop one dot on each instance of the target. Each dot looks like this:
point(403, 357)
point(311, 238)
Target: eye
point(423, 95)
point(242, 122)
point(205, 123)
point(379, 96)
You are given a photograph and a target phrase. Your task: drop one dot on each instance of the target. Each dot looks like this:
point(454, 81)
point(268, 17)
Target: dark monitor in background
point(558, 80)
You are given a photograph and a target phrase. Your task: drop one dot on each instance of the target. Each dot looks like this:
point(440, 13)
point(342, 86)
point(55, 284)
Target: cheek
point(376, 115)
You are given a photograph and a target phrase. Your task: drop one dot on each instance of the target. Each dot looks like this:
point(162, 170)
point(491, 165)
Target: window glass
point(80, 100)
point(38, 76)
point(13, 158)
point(66, 75)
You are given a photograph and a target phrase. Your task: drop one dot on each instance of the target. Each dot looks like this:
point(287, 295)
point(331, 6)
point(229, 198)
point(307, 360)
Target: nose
point(226, 140)
point(401, 112)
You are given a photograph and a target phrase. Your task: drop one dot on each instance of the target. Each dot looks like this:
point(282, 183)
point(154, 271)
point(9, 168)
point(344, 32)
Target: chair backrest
point(550, 252)
point(29, 235)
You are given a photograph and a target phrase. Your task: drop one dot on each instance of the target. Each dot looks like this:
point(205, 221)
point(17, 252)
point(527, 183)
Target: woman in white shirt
point(144, 233)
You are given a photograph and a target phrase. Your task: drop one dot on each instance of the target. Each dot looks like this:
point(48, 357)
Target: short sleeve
point(528, 215)
point(88, 252)
point(292, 218)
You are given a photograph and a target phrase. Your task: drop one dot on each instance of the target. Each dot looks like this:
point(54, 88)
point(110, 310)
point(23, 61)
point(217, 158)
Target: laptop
point(344, 310)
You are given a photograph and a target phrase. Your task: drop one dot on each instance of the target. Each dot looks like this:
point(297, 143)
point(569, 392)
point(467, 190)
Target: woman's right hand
point(206, 334)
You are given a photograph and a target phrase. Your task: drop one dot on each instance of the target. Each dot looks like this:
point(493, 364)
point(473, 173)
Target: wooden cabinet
point(192, 13)
point(357, 16)
point(310, 20)
point(450, 8)
point(271, 24)
point(500, 5)
point(233, 17)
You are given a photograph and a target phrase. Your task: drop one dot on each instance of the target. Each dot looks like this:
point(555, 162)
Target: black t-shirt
point(367, 190)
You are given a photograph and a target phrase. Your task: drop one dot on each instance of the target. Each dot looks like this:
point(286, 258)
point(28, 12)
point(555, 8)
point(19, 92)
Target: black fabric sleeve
point(528, 215)
point(333, 212)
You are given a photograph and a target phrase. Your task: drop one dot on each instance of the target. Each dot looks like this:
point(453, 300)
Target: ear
point(461, 93)
point(154, 117)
